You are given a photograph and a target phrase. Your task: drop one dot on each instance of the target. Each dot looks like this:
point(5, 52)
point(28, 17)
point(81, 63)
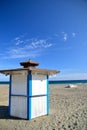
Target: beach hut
point(28, 91)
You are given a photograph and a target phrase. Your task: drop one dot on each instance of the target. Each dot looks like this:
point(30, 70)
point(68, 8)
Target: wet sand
point(68, 111)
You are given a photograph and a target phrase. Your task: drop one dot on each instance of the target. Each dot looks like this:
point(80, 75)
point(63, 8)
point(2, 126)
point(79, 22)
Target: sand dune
point(68, 111)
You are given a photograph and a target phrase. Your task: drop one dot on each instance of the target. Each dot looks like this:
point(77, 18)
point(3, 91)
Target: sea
point(57, 82)
point(68, 82)
point(4, 82)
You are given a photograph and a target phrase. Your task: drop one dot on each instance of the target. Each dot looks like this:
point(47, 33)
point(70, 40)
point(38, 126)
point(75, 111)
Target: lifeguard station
point(28, 91)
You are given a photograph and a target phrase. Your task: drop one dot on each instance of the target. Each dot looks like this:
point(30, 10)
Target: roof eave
point(34, 70)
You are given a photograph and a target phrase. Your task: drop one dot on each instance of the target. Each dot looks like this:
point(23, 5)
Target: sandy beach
point(68, 111)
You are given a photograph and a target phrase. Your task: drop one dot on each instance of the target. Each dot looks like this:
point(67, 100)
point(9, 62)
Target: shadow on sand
point(4, 112)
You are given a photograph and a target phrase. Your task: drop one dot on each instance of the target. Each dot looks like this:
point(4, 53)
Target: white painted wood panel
point(39, 84)
point(19, 84)
point(19, 107)
point(39, 106)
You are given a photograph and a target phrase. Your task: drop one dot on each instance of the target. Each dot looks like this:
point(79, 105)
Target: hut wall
point(39, 84)
point(19, 106)
point(18, 102)
point(39, 95)
point(39, 106)
point(19, 84)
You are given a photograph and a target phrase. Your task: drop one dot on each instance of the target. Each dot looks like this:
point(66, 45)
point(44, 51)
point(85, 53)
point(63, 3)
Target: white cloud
point(22, 53)
point(27, 48)
point(32, 43)
point(18, 41)
point(65, 37)
point(41, 43)
point(17, 38)
point(73, 34)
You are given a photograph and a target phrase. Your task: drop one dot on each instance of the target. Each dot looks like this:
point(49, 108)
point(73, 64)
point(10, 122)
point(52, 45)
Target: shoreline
point(68, 110)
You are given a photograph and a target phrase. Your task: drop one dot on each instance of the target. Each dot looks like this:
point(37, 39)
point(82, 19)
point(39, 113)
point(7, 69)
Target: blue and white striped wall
point(28, 95)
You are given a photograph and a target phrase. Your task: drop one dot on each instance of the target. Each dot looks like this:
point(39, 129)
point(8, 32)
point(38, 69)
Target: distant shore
point(68, 110)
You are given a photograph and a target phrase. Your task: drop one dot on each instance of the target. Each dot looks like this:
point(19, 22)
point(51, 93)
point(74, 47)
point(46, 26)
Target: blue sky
point(52, 32)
